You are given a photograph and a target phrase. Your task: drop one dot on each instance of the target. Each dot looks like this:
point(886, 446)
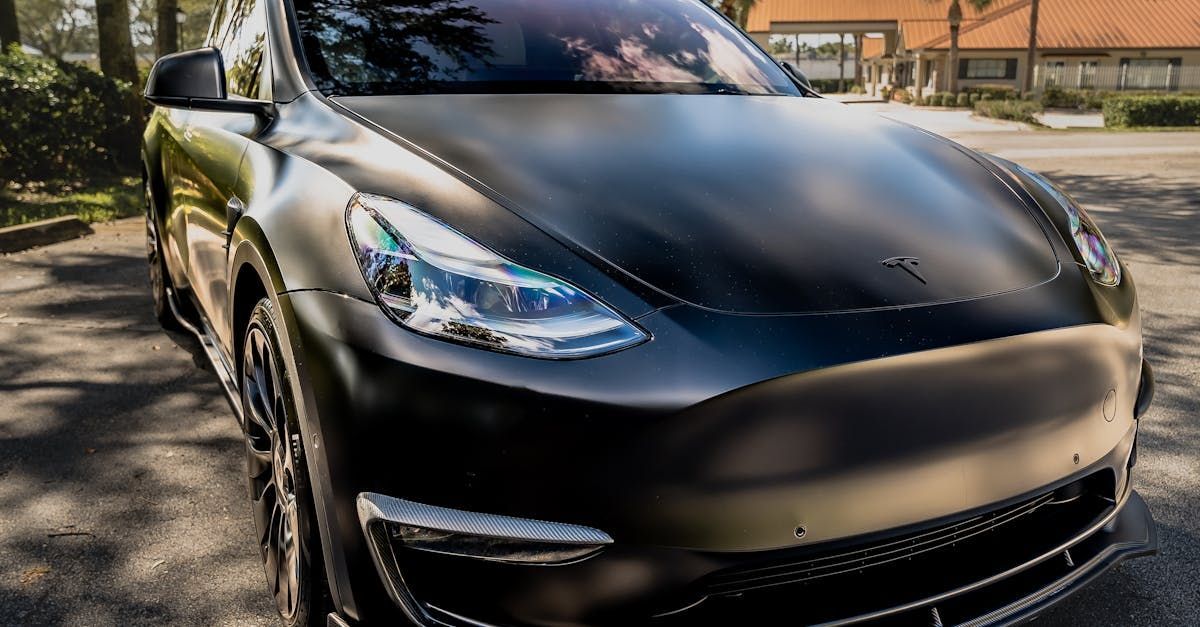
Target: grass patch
point(100, 201)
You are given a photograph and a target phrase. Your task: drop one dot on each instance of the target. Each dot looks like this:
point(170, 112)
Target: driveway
point(121, 488)
point(122, 499)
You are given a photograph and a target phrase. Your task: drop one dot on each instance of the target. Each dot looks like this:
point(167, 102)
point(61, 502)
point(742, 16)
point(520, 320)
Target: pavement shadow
point(1149, 215)
point(121, 468)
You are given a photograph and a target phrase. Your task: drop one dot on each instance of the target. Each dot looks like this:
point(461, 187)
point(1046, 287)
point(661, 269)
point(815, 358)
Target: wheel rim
point(271, 465)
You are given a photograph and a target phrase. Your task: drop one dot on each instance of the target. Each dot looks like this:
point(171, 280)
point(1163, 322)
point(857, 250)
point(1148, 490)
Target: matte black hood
point(740, 204)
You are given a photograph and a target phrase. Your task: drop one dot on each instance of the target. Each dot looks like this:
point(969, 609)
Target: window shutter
point(962, 68)
point(1010, 71)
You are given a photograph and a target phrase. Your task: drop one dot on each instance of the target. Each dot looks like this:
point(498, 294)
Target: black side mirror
point(798, 75)
point(196, 80)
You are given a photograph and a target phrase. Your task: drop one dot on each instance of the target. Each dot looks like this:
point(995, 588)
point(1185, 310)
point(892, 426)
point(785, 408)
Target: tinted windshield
point(358, 47)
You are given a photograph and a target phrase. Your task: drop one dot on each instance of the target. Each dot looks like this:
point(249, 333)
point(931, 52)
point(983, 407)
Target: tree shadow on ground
point(122, 496)
point(1144, 215)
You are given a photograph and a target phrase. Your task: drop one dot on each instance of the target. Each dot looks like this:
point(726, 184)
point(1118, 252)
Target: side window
point(239, 30)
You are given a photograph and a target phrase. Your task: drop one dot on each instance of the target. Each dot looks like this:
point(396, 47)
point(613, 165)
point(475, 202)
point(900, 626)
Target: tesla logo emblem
point(907, 264)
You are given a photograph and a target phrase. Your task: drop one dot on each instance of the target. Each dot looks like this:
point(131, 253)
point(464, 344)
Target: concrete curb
point(25, 236)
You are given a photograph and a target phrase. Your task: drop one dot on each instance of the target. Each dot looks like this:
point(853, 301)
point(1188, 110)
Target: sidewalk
point(939, 120)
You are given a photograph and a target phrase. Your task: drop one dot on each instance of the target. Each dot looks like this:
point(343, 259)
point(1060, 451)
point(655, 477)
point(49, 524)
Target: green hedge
point(1060, 98)
point(61, 122)
point(828, 85)
point(1016, 110)
point(1125, 111)
point(993, 92)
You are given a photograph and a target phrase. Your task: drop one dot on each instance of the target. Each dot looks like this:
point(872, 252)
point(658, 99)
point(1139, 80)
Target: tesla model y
point(590, 312)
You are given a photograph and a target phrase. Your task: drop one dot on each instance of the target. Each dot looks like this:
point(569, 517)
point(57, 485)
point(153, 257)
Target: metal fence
point(819, 68)
point(1134, 75)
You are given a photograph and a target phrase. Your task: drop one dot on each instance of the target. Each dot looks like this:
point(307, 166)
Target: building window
point(1055, 72)
point(987, 68)
point(1149, 73)
point(1087, 74)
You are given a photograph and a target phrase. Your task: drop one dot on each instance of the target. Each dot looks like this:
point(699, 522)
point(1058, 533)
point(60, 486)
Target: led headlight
point(437, 281)
point(1097, 255)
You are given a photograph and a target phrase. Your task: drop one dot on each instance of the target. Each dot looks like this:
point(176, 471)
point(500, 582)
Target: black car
point(588, 312)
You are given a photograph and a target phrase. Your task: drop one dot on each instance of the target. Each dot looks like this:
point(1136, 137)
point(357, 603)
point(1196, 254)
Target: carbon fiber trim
point(377, 507)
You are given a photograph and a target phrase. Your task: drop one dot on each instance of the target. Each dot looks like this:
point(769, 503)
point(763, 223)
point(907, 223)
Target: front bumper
point(967, 573)
point(709, 446)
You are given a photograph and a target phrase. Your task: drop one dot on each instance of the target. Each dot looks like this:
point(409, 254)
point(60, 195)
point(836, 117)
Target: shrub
point(1161, 110)
point(993, 92)
point(973, 98)
point(947, 99)
point(885, 93)
point(857, 89)
point(963, 100)
point(902, 95)
point(61, 122)
point(825, 85)
point(1016, 110)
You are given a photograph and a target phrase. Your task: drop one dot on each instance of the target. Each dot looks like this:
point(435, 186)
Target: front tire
point(280, 494)
point(160, 280)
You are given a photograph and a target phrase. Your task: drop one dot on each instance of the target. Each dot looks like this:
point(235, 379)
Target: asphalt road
point(122, 499)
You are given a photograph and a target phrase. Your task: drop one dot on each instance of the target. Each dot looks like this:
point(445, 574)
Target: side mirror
point(196, 80)
point(799, 76)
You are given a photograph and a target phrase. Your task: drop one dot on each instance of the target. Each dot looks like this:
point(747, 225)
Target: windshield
point(364, 47)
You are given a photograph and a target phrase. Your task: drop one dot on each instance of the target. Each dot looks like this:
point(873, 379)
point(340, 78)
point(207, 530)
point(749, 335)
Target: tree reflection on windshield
point(473, 46)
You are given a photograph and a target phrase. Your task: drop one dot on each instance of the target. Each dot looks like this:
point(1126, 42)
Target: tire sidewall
point(312, 589)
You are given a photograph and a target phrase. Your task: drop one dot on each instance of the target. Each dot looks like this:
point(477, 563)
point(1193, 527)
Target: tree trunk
point(952, 61)
point(168, 27)
point(842, 63)
point(1031, 56)
point(114, 40)
point(858, 42)
point(116, 50)
point(9, 33)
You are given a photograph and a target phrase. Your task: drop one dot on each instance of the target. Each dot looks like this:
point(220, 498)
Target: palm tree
point(1031, 56)
point(955, 17)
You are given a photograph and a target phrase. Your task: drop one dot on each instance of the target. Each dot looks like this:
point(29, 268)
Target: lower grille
point(818, 584)
point(860, 559)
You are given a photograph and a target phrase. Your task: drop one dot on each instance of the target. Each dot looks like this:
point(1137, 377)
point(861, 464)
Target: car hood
point(736, 203)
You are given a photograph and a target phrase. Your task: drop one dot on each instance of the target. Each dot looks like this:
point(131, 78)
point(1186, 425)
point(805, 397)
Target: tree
point(58, 27)
point(114, 41)
point(9, 32)
point(116, 48)
point(1031, 56)
point(167, 31)
point(955, 16)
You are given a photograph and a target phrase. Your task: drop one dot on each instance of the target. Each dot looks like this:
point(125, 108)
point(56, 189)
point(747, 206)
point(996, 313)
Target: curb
point(25, 236)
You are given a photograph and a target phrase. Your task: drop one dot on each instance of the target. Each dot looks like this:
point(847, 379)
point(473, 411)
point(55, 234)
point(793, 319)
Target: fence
point(819, 68)
point(1136, 74)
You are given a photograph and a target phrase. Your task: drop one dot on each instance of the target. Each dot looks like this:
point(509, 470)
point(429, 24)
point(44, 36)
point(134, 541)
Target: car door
point(213, 145)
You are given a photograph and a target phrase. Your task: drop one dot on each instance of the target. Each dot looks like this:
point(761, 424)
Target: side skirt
point(208, 344)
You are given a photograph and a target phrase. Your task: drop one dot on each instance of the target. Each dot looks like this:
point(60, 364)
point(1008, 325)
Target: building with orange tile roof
point(1084, 44)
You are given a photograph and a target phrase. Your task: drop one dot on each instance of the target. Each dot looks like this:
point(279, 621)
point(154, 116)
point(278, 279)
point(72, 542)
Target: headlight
point(1097, 255)
point(435, 280)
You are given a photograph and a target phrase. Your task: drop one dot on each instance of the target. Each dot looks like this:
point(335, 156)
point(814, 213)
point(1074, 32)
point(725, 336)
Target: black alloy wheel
point(278, 478)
